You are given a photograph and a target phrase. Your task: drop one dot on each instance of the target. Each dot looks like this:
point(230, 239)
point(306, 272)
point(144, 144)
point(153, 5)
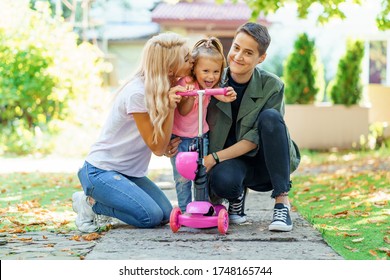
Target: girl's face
point(207, 72)
point(185, 69)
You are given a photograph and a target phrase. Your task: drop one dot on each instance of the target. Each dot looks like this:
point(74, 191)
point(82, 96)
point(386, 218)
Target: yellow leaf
point(373, 253)
point(91, 236)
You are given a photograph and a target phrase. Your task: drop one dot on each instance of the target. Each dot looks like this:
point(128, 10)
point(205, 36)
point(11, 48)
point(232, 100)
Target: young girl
point(114, 174)
point(209, 62)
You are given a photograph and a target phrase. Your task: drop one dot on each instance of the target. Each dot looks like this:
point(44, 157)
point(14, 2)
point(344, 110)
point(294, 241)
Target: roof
point(200, 15)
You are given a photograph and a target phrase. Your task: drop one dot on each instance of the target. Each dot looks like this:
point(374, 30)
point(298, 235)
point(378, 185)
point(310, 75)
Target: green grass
point(37, 201)
point(350, 209)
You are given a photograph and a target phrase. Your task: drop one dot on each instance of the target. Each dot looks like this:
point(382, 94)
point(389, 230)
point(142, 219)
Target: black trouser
point(268, 170)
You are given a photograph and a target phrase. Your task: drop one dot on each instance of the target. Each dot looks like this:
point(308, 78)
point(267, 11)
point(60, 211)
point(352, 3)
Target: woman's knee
point(153, 218)
point(225, 184)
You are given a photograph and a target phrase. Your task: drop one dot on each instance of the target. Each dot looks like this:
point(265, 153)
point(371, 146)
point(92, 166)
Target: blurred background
point(62, 60)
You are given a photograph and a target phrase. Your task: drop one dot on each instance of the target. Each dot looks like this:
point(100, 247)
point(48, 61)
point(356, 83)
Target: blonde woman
point(113, 176)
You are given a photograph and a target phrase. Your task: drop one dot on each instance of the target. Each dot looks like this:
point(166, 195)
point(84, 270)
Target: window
point(378, 62)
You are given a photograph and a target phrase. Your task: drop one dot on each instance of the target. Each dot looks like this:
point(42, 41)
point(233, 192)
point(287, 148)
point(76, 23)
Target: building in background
point(202, 18)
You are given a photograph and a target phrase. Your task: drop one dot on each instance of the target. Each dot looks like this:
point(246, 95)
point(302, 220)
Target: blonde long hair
point(162, 55)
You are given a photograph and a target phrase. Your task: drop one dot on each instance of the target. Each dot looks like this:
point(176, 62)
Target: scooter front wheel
point(223, 221)
point(174, 219)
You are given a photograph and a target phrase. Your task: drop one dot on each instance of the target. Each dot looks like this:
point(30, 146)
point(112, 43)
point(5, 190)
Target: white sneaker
point(102, 221)
point(237, 219)
point(85, 216)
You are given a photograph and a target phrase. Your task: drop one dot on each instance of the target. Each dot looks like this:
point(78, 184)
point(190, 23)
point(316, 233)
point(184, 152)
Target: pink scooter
point(200, 213)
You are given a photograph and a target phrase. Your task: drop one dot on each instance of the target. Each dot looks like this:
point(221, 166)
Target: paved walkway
point(251, 240)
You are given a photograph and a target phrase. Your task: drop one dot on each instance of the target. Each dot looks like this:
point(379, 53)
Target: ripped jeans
point(183, 185)
point(135, 201)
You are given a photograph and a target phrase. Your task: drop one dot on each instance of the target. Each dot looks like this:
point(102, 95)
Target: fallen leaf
point(373, 253)
point(386, 239)
point(25, 239)
point(357, 240)
point(91, 236)
point(384, 249)
point(341, 214)
point(346, 234)
point(354, 250)
point(75, 238)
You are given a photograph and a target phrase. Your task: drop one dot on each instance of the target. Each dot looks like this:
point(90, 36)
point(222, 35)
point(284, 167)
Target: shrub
point(347, 86)
point(42, 69)
point(303, 74)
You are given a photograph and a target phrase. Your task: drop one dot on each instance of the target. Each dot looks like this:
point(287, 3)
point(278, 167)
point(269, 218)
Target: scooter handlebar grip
point(216, 91)
point(209, 91)
point(188, 93)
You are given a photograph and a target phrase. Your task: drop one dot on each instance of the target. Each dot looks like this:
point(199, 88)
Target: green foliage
point(42, 69)
point(302, 73)
point(383, 18)
point(347, 86)
point(331, 9)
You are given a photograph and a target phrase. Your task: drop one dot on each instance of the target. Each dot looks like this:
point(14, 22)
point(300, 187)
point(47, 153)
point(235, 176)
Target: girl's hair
point(162, 54)
point(210, 48)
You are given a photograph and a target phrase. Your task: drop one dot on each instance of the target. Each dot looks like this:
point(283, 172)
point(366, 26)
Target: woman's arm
point(236, 150)
point(145, 126)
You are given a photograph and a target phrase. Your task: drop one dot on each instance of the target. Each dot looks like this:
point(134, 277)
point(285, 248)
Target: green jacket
point(265, 91)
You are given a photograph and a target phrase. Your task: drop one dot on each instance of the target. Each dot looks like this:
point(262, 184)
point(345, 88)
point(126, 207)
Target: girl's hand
point(174, 99)
point(230, 96)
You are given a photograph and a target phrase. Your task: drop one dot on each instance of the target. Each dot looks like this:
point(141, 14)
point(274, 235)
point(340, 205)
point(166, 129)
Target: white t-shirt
point(120, 146)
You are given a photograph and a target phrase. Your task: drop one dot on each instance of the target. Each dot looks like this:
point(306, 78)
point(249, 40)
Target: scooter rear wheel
point(223, 221)
point(174, 219)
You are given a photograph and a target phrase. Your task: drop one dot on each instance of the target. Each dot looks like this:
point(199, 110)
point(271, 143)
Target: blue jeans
point(135, 201)
point(183, 185)
point(268, 170)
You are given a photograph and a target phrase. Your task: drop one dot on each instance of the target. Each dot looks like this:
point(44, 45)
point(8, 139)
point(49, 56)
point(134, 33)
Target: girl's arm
point(187, 102)
point(185, 105)
point(145, 126)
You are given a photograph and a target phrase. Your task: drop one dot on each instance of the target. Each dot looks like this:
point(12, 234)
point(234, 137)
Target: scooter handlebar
point(208, 91)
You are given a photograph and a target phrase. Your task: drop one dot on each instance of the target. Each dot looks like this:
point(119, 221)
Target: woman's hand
point(172, 148)
point(209, 162)
point(174, 99)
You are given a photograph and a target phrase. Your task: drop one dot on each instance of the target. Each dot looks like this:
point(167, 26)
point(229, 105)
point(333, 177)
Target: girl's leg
point(183, 185)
